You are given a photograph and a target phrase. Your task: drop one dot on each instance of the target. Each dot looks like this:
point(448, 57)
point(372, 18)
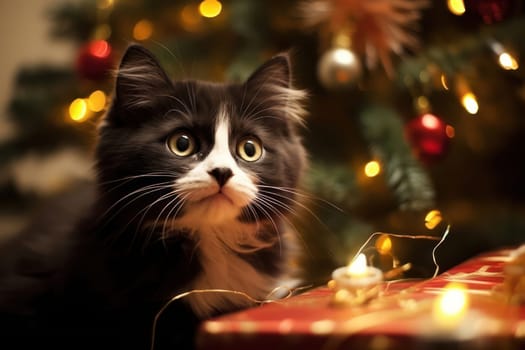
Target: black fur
point(90, 272)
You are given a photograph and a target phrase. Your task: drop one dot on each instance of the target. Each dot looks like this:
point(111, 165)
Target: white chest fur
point(224, 270)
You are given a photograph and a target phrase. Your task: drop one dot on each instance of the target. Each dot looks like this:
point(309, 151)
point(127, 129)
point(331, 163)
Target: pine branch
point(384, 132)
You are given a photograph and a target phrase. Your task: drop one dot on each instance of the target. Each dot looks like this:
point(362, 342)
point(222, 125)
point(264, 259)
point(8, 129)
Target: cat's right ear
point(141, 83)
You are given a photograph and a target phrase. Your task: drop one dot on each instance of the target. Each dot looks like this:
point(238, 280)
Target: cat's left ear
point(141, 83)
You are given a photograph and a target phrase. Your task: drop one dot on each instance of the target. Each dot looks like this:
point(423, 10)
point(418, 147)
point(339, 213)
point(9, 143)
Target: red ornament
point(490, 11)
point(94, 60)
point(429, 136)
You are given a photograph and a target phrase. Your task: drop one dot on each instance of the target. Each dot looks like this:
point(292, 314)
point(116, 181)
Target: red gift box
point(401, 316)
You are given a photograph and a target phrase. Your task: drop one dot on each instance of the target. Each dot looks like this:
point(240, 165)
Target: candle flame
point(358, 266)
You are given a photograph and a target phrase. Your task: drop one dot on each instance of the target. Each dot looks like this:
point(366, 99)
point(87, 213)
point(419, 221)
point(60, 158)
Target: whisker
point(294, 201)
point(141, 192)
point(302, 194)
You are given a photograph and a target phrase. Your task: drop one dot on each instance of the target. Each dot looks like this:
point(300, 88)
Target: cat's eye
point(250, 149)
point(182, 144)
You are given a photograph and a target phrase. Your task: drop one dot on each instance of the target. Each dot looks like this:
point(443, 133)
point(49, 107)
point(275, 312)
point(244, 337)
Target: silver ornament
point(339, 68)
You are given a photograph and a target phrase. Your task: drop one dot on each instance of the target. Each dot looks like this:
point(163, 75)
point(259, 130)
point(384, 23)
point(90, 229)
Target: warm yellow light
point(444, 81)
point(384, 244)
point(432, 219)
point(96, 101)
point(210, 8)
point(357, 267)
point(470, 103)
point(78, 110)
point(457, 7)
point(506, 61)
point(372, 168)
point(451, 306)
point(143, 30)
point(105, 4)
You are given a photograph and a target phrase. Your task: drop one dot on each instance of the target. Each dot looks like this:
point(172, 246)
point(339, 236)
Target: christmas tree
point(414, 111)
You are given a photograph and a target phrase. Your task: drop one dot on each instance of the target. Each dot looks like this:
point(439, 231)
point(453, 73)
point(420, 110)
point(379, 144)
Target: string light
point(444, 81)
point(78, 110)
point(467, 98)
point(372, 168)
point(507, 61)
point(432, 219)
point(457, 7)
point(142, 30)
point(470, 103)
point(384, 244)
point(210, 8)
point(96, 101)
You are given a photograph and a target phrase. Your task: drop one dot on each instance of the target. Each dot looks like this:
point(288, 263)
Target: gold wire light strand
point(432, 238)
point(291, 291)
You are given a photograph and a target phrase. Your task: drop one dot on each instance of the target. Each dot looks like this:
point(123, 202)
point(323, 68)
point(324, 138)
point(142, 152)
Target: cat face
point(193, 154)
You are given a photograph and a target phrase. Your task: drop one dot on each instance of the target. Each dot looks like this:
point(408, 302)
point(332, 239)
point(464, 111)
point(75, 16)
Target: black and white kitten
point(194, 183)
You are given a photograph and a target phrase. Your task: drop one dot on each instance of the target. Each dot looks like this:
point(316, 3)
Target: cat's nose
point(222, 175)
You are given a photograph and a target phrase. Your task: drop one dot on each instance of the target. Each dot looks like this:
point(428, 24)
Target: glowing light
point(470, 103)
point(430, 121)
point(210, 8)
point(451, 306)
point(507, 62)
point(143, 30)
point(357, 267)
point(444, 81)
point(457, 7)
point(384, 244)
point(190, 18)
point(372, 168)
point(105, 4)
point(432, 219)
point(450, 131)
point(96, 101)
point(100, 48)
point(78, 110)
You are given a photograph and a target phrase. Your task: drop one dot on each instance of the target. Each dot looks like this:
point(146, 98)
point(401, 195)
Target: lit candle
point(357, 275)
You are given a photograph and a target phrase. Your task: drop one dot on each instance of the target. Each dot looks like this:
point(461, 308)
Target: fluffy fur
point(194, 183)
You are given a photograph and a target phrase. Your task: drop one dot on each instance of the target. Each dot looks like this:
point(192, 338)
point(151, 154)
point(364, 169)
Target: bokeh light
point(143, 30)
point(507, 61)
point(457, 7)
point(78, 110)
point(210, 8)
point(470, 103)
point(372, 168)
point(96, 102)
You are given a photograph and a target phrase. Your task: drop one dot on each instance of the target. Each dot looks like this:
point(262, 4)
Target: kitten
point(194, 183)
